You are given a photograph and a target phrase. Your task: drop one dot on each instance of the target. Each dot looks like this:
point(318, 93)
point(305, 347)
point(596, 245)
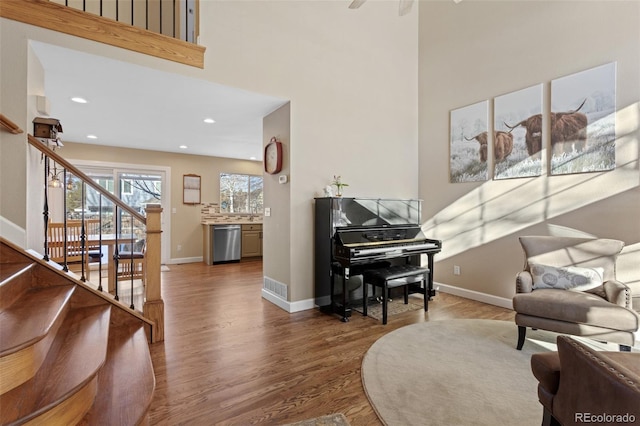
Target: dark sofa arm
point(596, 383)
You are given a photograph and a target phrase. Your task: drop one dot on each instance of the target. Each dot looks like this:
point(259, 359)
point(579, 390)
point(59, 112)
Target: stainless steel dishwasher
point(226, 242)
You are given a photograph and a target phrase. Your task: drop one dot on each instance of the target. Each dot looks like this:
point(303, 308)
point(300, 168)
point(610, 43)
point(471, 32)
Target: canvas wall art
point(518, 131)
point(582, 121)
point(468, 143)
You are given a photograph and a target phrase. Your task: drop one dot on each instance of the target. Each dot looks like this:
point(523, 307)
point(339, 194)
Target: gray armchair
point(569, 286)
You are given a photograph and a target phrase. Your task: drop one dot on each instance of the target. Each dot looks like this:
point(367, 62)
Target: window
point(240, 193)
point(126, 187)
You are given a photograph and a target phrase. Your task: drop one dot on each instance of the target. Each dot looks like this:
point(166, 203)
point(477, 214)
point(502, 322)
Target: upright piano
point(353, 234)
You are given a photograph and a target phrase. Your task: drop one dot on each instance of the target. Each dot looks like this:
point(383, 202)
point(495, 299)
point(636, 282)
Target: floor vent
point(275, 287)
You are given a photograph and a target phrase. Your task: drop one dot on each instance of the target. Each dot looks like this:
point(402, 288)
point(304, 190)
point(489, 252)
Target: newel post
point(153, 308)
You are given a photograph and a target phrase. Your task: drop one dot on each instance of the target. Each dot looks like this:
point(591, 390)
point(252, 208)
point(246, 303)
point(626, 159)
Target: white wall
point(517, 44)
point(277, 198)
point(351, 77)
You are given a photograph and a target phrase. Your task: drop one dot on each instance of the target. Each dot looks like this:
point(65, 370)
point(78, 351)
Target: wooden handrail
point(76, 172)
point(9, 125)
point(50, 15)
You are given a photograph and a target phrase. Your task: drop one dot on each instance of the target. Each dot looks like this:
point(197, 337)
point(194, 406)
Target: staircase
point(69, 355)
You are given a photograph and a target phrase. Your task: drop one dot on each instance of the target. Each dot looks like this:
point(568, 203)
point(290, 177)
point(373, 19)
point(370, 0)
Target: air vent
point(275, 287)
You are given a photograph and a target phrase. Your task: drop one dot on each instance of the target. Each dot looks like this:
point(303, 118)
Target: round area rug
point(455, 372)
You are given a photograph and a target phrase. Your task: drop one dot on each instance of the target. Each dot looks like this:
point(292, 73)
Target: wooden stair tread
point(8, 270)
point(31, 317)
point(126, 377)
point(76, 355)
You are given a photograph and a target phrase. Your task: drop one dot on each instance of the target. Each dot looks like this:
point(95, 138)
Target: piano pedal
point(379, 299)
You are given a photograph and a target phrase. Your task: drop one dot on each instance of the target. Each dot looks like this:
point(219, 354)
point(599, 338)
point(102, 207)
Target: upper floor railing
point(141, 37)
point(173, 18)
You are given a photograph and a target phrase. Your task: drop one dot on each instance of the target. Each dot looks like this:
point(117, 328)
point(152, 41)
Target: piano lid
point(356, 236)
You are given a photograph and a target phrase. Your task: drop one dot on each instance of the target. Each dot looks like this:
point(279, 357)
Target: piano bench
point(391, 277)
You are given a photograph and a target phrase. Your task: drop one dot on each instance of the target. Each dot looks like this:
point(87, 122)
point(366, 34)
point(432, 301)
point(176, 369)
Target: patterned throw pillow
point(565, 278)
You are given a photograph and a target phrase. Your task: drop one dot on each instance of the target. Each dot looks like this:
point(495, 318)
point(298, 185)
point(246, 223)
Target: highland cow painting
point(469, 143)
point(518, 128)
point(583, 123)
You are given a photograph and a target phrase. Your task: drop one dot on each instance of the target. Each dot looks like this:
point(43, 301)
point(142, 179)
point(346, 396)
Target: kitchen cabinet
point(251, 240)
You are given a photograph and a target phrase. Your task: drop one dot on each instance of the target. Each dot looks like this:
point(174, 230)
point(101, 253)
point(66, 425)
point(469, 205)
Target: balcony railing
point(173, 18)
point(166, 29)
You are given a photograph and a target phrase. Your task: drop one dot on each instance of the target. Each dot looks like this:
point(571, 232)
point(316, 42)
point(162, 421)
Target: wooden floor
point(232, 358)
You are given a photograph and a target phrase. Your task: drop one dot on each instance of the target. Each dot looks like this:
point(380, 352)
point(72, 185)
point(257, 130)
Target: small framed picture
point(191, 189)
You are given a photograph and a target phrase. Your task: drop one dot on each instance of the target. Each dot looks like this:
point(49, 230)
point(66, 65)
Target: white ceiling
point(137, 107)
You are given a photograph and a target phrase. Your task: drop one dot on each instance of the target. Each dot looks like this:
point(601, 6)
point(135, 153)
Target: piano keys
point(353, 234)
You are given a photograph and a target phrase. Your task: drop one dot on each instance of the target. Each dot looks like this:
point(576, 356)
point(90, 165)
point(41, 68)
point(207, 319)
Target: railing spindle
point(45, 212)
point(116, 253)
point(100, 240)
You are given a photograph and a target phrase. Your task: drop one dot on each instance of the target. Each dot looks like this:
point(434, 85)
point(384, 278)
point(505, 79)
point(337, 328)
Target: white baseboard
point(179, 260)
point(12, 232)
point(474, 295)
point(291, 307)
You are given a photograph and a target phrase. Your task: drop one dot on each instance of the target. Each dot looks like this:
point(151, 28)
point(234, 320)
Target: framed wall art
point(518, 130)
point(468, 143)
point(191, 189)
point(583, 121)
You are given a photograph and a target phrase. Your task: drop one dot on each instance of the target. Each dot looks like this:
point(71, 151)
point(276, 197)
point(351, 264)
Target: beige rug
point(329, 420)
point(455, 372)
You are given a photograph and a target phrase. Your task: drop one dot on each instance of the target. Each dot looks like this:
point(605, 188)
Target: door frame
point(166, 193)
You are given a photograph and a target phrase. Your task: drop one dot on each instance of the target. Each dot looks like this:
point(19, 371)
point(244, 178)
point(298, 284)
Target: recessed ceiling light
point(92, 137)
point(252, 158)
point(79, 100)
point(183, 147)
point(209, 120)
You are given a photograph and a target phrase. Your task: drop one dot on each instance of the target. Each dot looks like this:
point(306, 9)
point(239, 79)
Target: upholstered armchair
point(569, 286)
point(578, 385)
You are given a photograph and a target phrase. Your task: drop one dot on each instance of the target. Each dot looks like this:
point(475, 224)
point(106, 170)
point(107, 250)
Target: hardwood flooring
point(232, 358)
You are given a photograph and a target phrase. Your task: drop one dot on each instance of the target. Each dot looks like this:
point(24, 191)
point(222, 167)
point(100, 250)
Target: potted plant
point(337, 182)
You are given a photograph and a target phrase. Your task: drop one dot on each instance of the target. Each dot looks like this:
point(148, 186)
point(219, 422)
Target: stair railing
point(127, 227)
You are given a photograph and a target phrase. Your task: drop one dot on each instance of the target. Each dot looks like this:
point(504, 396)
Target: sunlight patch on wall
point(500, 208)
point(627, 270)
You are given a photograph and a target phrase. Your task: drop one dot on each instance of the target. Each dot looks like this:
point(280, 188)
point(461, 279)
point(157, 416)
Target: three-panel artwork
point(580, 130)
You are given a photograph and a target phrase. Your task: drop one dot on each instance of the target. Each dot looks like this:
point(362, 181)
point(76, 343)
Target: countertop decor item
point(337, 182)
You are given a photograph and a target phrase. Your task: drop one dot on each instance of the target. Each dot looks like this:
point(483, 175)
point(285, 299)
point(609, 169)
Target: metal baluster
point(100, 238)
point(131, 263)
point(45, 212)
point(83, 238)
point(116, 253)
point(64, 221)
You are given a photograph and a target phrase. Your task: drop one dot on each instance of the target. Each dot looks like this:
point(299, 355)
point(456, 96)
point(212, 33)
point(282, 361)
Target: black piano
point(354, 234)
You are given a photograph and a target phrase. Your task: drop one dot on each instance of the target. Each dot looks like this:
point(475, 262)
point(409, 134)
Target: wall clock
point(273, 156)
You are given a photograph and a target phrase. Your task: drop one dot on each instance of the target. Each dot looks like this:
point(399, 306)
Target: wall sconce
point(55, 181)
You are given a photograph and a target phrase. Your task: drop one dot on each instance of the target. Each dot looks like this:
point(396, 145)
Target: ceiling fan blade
point(405, 7)
point(356, 4)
